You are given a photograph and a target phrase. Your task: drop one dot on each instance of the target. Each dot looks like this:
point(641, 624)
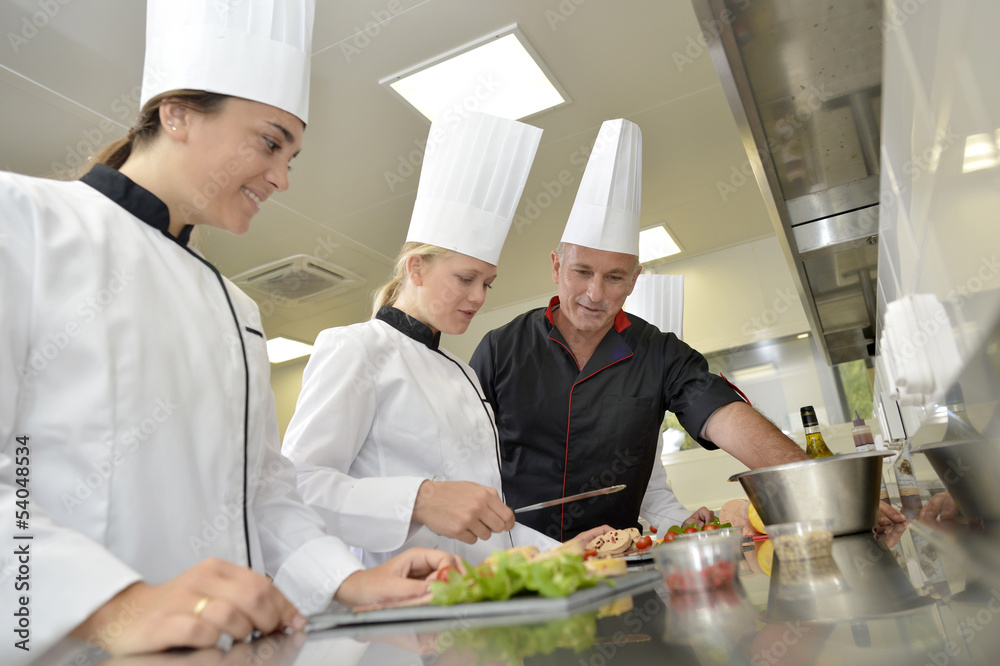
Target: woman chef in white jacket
point(137, 428)
point(393, 441)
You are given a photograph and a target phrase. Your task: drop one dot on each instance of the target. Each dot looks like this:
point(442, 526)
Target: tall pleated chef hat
point(472, 178)
point(255, 49)
point(659, 299)
point(605, 215)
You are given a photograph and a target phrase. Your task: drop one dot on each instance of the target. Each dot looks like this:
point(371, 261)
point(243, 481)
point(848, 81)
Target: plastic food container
point(805, 540)
point(701, 560)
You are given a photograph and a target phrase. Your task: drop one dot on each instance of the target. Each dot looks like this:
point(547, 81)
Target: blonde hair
point(388, 293)
point(147, 126)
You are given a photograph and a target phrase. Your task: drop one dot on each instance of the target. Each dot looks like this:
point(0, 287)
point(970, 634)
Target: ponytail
point(389, 293)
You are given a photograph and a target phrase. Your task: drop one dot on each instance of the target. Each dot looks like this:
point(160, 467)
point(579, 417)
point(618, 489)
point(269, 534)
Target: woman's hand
point(192, 610)
point(701, 517)
point(583, 538)
point(461, 510)
point(401, 577)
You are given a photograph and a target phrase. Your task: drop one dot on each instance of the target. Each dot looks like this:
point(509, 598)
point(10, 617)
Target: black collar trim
point(409, 326)
point(135, 199)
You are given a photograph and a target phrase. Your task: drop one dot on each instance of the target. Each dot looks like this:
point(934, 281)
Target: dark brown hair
point(148, 125)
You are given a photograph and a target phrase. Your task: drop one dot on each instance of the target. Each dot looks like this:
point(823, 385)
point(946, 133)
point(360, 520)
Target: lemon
point(764, 556)
point(755, 520)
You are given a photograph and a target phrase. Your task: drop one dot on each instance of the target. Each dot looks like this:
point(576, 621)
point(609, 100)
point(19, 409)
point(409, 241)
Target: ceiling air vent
point(298, 279)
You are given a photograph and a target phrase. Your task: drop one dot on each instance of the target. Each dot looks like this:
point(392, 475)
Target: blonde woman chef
point(392, 438)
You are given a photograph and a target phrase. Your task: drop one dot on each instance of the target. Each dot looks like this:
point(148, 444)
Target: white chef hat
point(605, 215)
point(255, 49)
point(659, 299)
point(474, 172)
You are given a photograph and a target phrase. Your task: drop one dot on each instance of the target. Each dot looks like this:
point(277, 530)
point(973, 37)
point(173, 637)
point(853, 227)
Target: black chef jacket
point(565, 431)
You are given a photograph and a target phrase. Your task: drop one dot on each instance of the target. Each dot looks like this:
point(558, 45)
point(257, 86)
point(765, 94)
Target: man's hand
point(890, 534)
point(401, 577)
point(888, 515)
point(461, 510)
point(940, 506)
point(701, 517)
point(740, 430)
point(192, 610)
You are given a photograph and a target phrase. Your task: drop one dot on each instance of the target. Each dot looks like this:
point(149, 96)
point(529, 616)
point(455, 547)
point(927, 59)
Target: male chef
point(579, 388)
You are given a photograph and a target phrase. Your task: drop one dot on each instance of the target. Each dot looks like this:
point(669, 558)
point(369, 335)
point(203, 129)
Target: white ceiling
point(73, 83)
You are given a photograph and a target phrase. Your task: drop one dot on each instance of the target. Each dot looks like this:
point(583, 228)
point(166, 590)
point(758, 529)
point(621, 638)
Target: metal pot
point(843, 488)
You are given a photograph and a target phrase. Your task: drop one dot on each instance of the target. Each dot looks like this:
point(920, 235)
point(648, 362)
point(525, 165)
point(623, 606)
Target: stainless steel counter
point(918, 596)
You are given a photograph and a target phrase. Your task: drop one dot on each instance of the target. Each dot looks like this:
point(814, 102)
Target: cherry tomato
point(643, 543)
point(589, 553)
point(690, 529)
point(652, 528)
point(669, 536)
point(445, 573)
point(710, 526)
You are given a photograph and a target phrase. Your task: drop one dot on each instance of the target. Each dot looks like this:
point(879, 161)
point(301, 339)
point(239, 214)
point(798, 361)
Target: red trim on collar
point(553, 302)
point(621, 319)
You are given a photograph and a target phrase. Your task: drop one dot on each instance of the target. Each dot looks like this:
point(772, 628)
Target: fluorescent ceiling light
point(280, 350)
point(755, 373)
point(801, 336)
point(980, 153)
point(656, 243)
point(499, 74)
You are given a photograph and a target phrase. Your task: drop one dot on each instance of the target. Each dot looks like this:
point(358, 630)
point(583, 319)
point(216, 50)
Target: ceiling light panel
point(499, 74)
point(656, 243)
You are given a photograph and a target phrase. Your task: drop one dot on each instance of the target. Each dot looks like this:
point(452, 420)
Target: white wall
point(286, 382)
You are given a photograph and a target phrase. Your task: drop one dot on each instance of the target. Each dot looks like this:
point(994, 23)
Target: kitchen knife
point(571, 498)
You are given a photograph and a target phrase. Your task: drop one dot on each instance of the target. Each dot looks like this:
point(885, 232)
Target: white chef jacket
point(383, 409)
point(140, 377)
point(660, 507)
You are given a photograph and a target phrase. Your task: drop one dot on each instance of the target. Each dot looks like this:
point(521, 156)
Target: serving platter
point(515, 606)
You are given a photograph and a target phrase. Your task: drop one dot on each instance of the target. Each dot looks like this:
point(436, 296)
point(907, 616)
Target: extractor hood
point(803, 79)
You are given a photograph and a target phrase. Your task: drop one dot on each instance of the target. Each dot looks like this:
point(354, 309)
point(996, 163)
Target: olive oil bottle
point(815, 446)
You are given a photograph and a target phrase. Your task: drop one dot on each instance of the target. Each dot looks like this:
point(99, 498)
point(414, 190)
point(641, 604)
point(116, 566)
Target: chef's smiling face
point(233, 160)
point(446, 294)
point(593, 285)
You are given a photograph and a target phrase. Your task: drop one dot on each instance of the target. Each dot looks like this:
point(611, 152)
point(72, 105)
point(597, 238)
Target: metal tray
point(516, 606)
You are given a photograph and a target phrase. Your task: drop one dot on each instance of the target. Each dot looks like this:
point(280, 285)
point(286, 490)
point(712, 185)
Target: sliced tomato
point(690, 529)
point(669, 536)
point(652, 528)
point(589, 553)
point(710, 526)
point(443, 574)
point(642, 543)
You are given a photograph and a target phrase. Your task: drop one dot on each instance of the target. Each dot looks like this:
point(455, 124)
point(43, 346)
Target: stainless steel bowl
point(969, 469)
point(843, 488)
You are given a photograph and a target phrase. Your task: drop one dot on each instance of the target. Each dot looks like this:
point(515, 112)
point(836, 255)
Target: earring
point(171, 123)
